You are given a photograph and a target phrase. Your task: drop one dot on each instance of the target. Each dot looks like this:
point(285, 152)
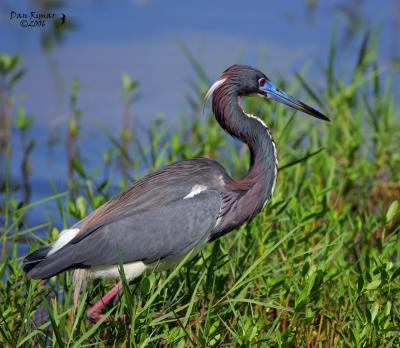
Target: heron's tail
point(40, 265)
point(36, 257)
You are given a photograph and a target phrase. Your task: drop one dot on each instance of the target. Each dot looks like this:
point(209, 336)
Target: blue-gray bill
point(272, 92)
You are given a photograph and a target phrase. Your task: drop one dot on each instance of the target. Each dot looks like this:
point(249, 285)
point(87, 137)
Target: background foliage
point(318, 267)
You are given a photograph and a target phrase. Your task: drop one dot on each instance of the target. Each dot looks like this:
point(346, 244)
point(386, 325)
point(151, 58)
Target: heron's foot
point(156, 315)
point(94, 316)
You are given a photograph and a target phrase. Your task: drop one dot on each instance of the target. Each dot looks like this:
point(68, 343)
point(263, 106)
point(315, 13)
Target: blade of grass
point(300, 160)
point(54, 325)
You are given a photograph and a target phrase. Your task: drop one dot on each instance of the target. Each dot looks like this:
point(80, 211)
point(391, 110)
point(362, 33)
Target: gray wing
point(149, 221)
point(165, 232)
point(158, 188)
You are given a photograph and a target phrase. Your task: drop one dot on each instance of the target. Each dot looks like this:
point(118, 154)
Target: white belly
point(132, 270)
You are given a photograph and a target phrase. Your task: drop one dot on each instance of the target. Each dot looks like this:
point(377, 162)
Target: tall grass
point(318, 267)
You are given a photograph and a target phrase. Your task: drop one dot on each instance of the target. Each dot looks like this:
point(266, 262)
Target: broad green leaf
point(392, 211)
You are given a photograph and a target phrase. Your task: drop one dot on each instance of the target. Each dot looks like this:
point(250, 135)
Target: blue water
point(143, 38)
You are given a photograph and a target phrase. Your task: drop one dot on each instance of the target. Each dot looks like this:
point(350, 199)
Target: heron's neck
point(251, 130)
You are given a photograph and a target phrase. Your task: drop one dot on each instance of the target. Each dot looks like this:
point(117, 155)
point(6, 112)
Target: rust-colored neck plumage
point(247, 128)
point(256, 187)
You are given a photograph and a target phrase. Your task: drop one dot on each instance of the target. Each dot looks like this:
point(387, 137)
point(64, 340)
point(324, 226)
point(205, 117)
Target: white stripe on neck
point(275, 151)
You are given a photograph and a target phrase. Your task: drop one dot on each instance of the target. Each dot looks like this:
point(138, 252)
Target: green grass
point(318, 267)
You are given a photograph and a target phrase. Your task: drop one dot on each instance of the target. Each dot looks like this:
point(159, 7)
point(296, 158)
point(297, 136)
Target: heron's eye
point(261, 82)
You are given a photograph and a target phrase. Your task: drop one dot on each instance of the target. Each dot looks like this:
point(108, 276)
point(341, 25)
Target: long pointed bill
point(272, 92)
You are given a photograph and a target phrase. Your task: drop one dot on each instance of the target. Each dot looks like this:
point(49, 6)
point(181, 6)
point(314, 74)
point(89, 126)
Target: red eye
point(261, 82)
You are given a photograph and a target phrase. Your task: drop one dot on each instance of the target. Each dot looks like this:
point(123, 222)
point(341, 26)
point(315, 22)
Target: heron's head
point(246, 80)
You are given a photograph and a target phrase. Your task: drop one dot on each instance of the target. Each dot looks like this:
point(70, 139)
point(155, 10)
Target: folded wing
point(166, 231)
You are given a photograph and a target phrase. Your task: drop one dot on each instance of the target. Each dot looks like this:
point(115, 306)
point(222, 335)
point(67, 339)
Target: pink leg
point(94, 313)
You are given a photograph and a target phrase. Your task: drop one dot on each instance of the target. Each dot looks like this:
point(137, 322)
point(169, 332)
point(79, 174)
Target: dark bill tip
point(270, 91)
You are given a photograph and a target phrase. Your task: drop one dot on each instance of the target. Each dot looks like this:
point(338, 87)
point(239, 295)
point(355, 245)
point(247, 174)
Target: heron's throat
point(251, 130)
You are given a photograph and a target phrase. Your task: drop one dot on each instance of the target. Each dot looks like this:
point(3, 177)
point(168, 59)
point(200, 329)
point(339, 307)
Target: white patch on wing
point(65, 237)
point(132, 270)
point(196, 189)
point(211, 90)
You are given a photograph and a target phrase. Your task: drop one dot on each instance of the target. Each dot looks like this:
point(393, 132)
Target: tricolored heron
point(168, 213)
